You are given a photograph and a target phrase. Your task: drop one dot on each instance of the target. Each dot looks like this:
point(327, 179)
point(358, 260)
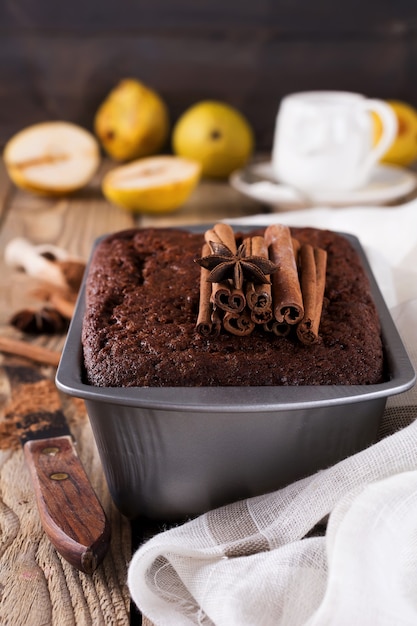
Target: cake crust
point(142, 299)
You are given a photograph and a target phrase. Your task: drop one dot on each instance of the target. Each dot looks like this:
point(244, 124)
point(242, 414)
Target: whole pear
point(132, 121)
point(216, 135)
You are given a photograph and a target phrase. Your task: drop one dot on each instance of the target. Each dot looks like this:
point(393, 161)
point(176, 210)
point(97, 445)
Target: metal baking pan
point(173, 452)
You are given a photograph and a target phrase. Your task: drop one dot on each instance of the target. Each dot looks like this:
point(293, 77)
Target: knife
point(69, 509)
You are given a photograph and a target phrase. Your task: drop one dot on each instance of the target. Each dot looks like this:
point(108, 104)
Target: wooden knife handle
point(70, 512)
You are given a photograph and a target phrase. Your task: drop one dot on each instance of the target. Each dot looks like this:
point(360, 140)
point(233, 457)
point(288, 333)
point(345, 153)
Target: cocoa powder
point(34, 397)
point(28, 398)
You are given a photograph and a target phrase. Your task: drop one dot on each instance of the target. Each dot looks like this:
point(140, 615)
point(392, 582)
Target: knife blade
point(69, 509)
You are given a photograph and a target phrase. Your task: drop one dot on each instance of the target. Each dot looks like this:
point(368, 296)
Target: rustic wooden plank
point(72, 223)
point(211, 202)
point(158, 15)
point(38, 586)
point(253, 73)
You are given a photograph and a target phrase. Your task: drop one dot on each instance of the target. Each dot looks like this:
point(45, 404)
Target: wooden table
point(37, 586)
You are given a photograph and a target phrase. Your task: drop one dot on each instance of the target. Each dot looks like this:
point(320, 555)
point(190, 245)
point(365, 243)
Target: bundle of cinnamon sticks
point(271, 281)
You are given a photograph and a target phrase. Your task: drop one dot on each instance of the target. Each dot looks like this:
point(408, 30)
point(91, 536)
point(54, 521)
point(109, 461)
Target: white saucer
point(387, 183)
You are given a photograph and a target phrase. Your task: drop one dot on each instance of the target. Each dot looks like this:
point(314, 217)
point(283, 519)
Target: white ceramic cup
point(324, 140)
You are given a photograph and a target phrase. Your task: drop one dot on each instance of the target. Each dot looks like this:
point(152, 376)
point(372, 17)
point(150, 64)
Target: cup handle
point(389, 129)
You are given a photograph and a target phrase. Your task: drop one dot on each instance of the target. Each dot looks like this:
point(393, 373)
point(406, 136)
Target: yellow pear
point(216, 135)
point(52, 158)
point(403, 150)
point(132, 122)
point(156, 184)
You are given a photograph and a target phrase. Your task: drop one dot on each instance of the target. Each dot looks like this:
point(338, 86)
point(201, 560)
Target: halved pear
point(403, 150)
point(158, 184)
point(52, 158)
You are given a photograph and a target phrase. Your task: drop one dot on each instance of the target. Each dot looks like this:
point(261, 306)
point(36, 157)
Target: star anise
point(46, 321)
point(224, 264)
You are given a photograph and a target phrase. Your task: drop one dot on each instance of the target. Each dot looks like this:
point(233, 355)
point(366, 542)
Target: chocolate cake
point(143, 307)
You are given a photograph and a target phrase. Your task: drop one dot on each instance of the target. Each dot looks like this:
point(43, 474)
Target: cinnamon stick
point(73, 272)
point(313, 280)
point(228, 298)
point(258, 297)
point(61, 304)
point(222, 233)
point(241, 324)
point(286, 290)
point(280, 329)
point(216, 320)
point(204, 320)
point(224, 295)
point(256, 246)
point(296, 248)
point(30, 351)
point(259, 301)
point(61, 299)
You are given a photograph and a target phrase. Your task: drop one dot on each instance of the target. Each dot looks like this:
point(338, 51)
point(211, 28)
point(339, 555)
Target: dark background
point(59, 59)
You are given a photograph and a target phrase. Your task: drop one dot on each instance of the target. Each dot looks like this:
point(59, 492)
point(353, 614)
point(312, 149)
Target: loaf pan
point(175, 452)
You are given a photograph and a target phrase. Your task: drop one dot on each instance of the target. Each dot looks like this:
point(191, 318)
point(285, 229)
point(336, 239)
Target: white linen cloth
point(262, 561)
